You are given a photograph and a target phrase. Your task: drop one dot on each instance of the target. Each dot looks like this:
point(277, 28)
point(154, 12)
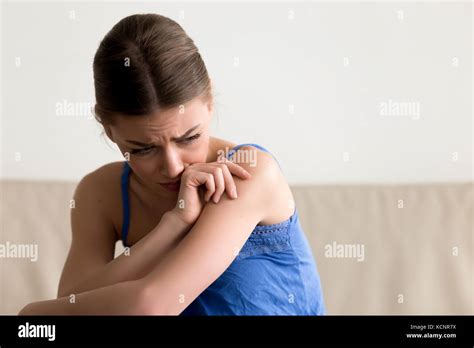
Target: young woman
point(210, 226)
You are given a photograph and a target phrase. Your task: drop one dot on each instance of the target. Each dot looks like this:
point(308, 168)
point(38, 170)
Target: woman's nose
point(172, 166)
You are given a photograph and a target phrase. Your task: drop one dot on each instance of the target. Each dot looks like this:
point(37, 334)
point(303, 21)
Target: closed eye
point(141, 151)
point(190, 139)
point(146, 150)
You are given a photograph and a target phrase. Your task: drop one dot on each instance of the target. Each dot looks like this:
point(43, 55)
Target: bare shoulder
point(102, 186)
point(259, 163)
point(103, 180)
point(273, 189)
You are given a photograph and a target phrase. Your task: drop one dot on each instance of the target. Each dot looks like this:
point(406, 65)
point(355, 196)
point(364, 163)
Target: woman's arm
point(202, 256)
point(140, 258)
point(119, 299)
point(214, 241)
point(123, 297)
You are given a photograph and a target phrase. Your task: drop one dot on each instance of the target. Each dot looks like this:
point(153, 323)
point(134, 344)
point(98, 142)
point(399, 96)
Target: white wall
point(308, 85)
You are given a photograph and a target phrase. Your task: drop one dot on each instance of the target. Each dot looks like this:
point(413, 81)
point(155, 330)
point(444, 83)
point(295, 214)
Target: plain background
point(304, 79)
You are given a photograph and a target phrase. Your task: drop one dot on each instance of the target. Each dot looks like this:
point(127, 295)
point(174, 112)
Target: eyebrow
point(189, 131)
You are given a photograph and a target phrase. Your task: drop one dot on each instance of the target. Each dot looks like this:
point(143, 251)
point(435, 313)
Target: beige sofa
point(417, 243)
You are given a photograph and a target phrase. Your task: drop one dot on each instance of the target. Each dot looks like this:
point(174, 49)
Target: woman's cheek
point(199, 155)
point(142, 167)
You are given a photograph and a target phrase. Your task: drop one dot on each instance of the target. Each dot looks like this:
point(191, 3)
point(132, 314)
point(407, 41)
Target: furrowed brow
point(189, 131)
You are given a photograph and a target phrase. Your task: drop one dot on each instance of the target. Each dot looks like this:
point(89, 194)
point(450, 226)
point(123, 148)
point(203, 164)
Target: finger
point(223, 181)
point(230, 187)
point(220, 184)
point(210, 185)
point(198, 178)
point(237, 170)
point(234, 168)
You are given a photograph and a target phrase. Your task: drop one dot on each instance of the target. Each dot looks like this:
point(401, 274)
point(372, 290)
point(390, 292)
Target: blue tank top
point(274, 273)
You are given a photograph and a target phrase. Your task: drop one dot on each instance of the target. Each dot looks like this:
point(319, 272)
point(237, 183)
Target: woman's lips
point(172, 186)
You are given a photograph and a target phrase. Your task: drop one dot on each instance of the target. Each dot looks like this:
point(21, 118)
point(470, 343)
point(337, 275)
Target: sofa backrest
point(380, 249)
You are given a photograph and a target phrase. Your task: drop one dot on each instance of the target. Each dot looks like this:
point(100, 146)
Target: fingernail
point(233, 193)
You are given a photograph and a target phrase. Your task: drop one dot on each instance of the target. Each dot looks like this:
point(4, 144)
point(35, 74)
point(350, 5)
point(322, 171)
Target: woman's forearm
point(140, 258)
point(119, 299)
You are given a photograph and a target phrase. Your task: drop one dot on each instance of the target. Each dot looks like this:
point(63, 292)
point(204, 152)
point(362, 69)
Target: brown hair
point(147, 62)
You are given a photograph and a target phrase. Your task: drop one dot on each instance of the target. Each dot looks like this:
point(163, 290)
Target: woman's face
point(159, 146)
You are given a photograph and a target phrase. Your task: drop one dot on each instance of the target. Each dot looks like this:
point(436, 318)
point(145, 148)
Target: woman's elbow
point(144, 303)
point(152, 302)
point(27, 310)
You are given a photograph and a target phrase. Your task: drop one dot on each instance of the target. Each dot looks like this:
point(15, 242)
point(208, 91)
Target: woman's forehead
point(170, 123)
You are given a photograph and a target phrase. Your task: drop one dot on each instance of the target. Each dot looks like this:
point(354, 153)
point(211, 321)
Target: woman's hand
point(201, 182)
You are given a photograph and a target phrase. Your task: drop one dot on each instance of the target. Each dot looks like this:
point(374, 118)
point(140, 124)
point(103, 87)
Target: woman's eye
point(145, 151)
point(142, 151)
point(191, 139)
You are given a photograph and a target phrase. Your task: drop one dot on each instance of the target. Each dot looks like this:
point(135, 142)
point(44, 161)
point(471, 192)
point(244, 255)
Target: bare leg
point(118, 299)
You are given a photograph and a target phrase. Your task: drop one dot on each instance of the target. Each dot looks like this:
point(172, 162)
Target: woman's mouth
point(173, 186)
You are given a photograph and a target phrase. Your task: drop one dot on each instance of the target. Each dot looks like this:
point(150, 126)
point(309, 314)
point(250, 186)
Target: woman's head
point(152, 87)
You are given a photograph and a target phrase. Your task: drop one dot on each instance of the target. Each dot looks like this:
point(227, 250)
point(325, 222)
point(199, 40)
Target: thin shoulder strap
point(125, 202)
point(235, 148)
